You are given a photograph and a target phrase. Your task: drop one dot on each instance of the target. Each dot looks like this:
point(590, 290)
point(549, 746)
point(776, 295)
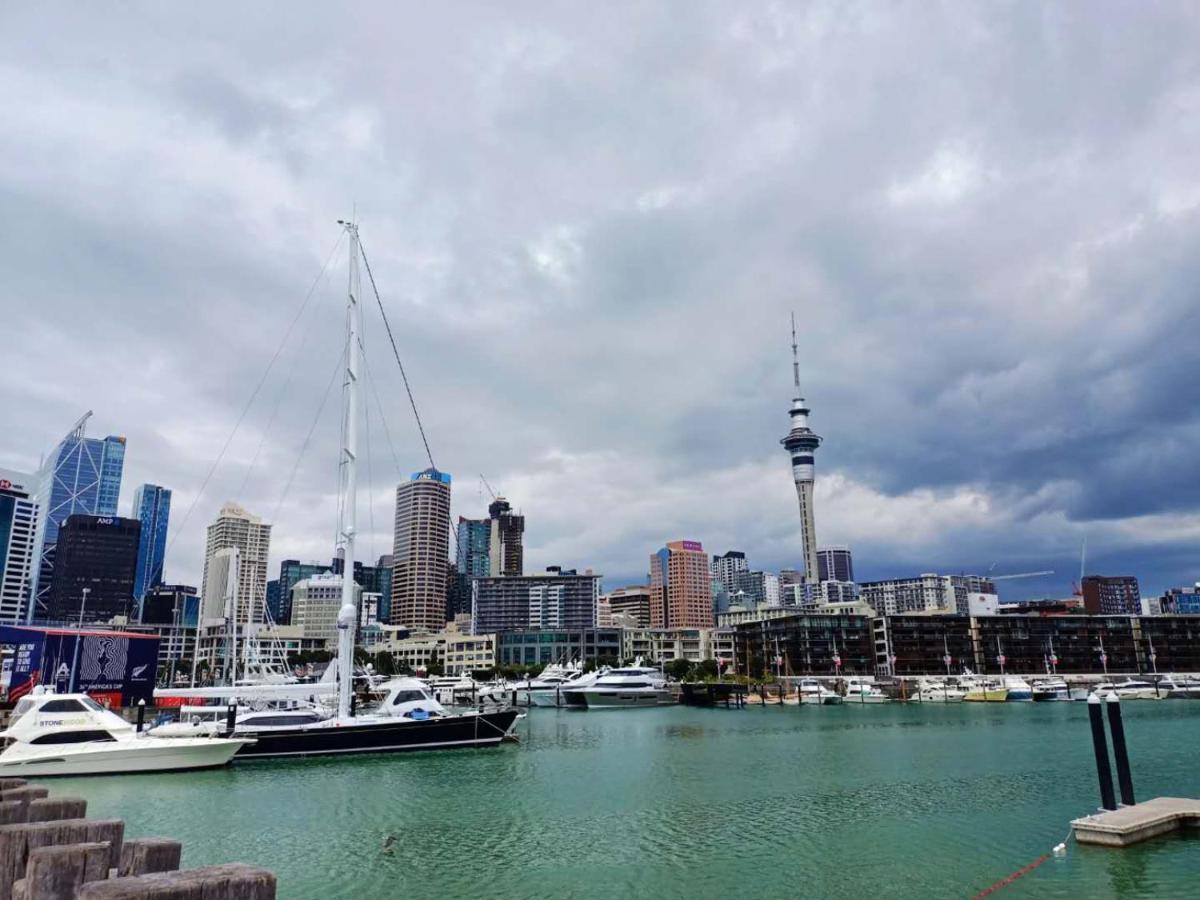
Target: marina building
point(506, 554)
point(680, 587)
point(835, 563)
point(1105, 595)
point(800, 644)
point(82, 476)
point(242, 541)
point(1168, 643)
point(533, 647)
point(94, 568)
point(467, 653)
point(18, 546)
point(420, 551)
point(557, 599)
point(662, 645)
point(151, 507)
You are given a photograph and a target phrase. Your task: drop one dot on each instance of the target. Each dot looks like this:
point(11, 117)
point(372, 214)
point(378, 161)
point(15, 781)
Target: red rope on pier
point(1005, 882)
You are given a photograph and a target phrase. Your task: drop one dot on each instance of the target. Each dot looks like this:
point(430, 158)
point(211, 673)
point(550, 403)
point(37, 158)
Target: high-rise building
point(726, 566)
point(151, 507)
point(928, 593)
point(236, 529)
point(420, 551)
point(18, 547)
point(680, 587)
point(377, 579)
point(633, 602)
point(82, 475)
point(754, 588)
point(835, 563)
point(801, 443)
point(506, 555)
point(1111, 595)
point(291, 572)
point(561, 598)
point(171, 604)
point(96, 554)
point(473, 547)
point(458, 593)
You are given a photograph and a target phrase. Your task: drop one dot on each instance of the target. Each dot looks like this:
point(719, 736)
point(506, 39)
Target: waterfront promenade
point(917, 801)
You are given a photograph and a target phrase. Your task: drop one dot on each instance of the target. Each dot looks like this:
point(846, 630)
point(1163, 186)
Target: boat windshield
point(91, 704)
point(23, 706)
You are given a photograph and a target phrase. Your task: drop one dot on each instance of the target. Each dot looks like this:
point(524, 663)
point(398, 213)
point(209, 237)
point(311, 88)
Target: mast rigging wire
point(412, 402)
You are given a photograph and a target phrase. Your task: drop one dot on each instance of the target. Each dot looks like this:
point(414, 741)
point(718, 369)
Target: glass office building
point(82, 476)
point(151, 507)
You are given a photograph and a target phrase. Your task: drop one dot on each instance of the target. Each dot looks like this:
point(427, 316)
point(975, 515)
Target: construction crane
point(484, 482)
point(1018, 575)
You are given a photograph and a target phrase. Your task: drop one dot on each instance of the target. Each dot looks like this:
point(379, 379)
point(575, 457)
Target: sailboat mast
point(348, 613)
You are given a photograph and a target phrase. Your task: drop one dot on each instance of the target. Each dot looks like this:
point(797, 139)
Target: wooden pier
point(50, 850)
point(1142, 821)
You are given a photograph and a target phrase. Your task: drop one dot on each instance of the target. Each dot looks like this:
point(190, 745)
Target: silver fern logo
point(103, 658)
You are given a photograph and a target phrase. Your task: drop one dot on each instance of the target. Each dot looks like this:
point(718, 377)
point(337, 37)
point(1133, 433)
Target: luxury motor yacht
point(628, 687)
point(1018, 689)
point(813, 693)
point(1181, 687)
point(1050, 689)
point(1132, 689)
point(859, 690)
point(72, 734)
point(939, 692)
point(543, 690)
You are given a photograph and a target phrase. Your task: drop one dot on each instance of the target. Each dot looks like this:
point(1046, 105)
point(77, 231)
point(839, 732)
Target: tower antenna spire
point(795, 357)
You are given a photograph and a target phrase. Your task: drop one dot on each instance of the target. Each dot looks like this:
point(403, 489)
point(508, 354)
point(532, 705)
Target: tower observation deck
point(801, 443)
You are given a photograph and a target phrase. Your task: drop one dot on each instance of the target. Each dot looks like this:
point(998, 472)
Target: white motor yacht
point(72, 734)
point(629, 687)
point(1018, 689)
point(939, 692)
point(1050, 689)
point(1132, 689)
point(860, 690)
point(1181, 687)
point(543, 690)
point(813, 693)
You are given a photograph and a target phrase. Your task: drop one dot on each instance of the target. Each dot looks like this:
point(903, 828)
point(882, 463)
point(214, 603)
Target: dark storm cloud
point(590, 224)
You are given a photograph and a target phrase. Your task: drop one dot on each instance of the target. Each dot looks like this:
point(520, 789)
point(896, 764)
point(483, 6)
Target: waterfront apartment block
point(928, 593)
point(1105, 595)
point(238, 539)
point(420, 551)
point(94, 568)
point(539, 647)
point(799, 644)
point(557, 599)
point(151, 507)
point(661, 645)
point(835, 563)
point(18, 547)
point(680, 587)
point(81, 476)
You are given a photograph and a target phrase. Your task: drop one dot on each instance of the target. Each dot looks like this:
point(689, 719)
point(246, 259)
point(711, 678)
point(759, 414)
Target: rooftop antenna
point(795, 357)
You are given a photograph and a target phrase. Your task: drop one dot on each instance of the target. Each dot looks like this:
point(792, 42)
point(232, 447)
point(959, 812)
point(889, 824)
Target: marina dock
point(1134, 824)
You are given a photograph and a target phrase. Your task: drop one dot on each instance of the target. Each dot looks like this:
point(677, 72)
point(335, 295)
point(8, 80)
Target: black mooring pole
point(230, 718)
point(1120, 752)
point(1100, 745)
point(141, 715)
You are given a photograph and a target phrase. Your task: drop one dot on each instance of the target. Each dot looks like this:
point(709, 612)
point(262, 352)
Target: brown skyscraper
point(420, 551)
point(680, 587)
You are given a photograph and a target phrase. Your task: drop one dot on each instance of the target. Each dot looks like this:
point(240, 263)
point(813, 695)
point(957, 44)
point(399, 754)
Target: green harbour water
point(900, 800)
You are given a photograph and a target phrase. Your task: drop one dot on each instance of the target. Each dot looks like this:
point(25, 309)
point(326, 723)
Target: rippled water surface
point(895, 801)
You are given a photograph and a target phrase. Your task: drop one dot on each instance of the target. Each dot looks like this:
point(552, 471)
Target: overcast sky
point(589, 224)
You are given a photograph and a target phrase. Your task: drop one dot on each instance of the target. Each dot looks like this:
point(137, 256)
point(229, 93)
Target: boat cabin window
point(634, 684)
point(92, 704)
point(408, 697)
point(60, 706)
point(23, 706)
point(292, 719)
point(73, 737)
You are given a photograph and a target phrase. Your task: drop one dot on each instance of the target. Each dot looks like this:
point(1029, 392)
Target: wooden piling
point(233, 881)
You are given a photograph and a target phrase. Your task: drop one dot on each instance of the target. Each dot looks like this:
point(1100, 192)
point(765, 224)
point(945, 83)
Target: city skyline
point(989, 319)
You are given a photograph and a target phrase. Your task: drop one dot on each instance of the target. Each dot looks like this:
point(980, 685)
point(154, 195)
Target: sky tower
point(801, 443)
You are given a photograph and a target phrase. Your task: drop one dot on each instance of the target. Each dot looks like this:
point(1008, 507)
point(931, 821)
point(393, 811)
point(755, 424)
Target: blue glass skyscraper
point(152, 507)
point(81, 475)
